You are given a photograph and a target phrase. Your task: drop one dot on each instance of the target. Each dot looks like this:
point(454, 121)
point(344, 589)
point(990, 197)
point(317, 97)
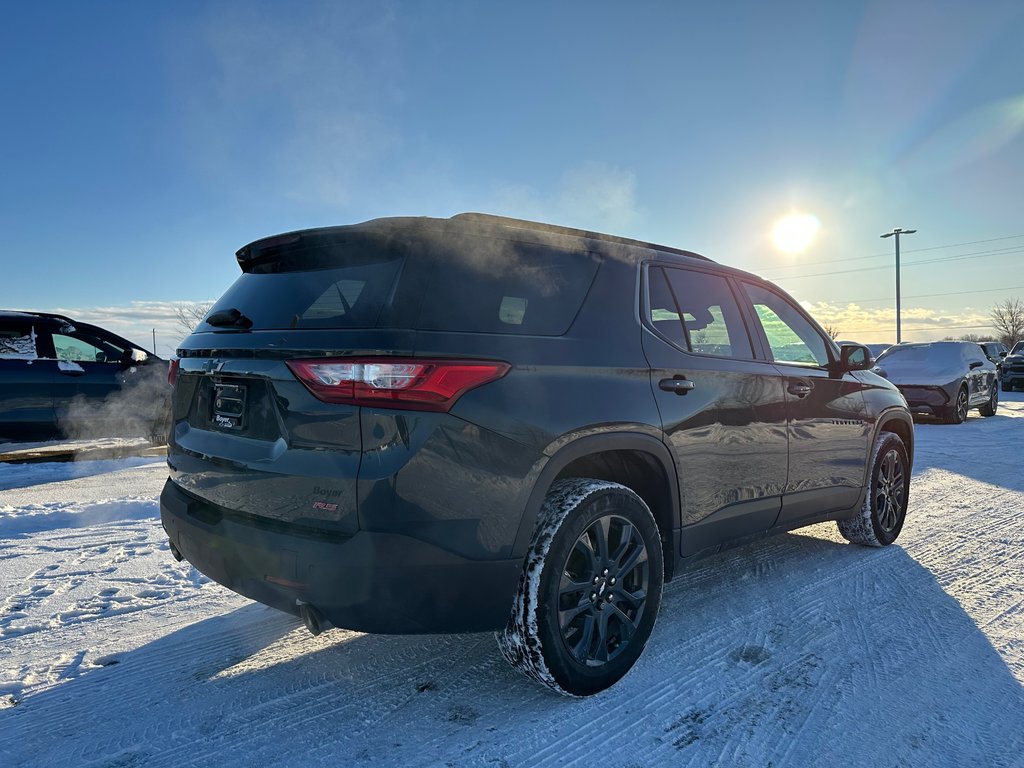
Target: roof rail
point(52, 315)
point(524, 224)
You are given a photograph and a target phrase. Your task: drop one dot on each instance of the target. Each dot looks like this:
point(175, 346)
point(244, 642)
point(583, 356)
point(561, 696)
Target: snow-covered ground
point(799, 650)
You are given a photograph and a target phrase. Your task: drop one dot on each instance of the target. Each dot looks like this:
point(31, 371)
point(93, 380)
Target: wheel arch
point(638, 461)
point(900, 423)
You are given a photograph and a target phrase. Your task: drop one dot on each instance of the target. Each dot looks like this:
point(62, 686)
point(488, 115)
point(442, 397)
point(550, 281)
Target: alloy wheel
point(890, 490)
point(961, 406)
point(603, 590)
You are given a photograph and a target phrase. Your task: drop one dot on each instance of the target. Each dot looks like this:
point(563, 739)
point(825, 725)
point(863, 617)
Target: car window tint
point(662, 311)
point(17, 341)
point(86, 349)
point(940, 352)
point(791, 337)
point(711, 317)
point(336, 301)
point(345, 297)
point(500, 286)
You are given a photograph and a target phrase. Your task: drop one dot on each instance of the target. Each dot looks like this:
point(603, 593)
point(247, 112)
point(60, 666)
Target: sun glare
point(793, 233)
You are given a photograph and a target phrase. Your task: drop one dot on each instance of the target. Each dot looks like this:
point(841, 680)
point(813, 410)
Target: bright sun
point(793, 233)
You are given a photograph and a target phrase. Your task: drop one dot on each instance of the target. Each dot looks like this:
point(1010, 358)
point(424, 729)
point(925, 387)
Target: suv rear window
point(484, 285)
point(346, 297)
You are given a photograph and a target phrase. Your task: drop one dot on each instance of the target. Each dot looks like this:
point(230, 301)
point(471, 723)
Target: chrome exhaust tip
point(312, 618)
point(175, 553)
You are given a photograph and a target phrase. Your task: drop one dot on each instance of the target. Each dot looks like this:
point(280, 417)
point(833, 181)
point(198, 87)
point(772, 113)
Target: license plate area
point(228, 406)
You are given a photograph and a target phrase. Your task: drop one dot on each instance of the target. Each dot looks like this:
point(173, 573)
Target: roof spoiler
point(487, 218)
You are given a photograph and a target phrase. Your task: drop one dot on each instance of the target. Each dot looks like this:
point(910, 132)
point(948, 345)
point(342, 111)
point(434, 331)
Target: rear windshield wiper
point(229, 318)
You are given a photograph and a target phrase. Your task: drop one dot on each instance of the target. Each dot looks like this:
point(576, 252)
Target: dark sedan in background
point(942, 378)
point(63, 378)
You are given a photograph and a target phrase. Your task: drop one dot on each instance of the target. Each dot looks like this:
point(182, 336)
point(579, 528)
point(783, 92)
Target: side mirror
point(139, 356)
point(1002, 354)
point(854, 357)
point(976, 364)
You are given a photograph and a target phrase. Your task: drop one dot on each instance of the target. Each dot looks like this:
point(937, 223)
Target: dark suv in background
point(1013, 368)
point(994, 351)
point(446, 425)
point(63, 378)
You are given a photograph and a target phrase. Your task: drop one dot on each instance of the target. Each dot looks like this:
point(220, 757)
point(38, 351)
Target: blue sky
point(143, 143)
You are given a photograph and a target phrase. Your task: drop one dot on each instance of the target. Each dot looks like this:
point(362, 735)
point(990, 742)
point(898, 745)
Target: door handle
point(678, 384)
point(800, 389)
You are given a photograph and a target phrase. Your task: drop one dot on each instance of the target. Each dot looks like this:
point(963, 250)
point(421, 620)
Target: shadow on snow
point(795, 650)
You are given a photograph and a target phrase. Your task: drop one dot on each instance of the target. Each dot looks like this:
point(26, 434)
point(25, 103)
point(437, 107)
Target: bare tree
point(971, 337)
point(190, 313)
point(1008, 320)
point(831, 330)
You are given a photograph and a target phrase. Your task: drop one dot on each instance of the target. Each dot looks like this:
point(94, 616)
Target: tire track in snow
point(795, 650)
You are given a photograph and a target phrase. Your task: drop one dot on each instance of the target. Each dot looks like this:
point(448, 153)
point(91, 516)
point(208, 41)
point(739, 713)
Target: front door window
point(791, 337)
point(85, 349)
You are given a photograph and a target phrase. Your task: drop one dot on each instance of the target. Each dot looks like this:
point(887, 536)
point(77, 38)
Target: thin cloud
point(918, 323)
point(292, 105)
point(595, 196)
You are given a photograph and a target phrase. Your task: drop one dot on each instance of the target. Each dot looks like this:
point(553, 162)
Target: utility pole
point(897, 232)
point(154, 341)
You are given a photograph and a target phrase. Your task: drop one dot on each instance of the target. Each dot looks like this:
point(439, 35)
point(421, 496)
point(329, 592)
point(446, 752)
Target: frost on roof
point(18, 347)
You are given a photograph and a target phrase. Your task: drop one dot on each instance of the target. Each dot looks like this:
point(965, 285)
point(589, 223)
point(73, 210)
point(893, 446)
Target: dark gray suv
point(448, 425)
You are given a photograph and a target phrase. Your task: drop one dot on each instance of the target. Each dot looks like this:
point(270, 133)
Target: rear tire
point(881, 518)
point(1007, 388)
point(590, 590)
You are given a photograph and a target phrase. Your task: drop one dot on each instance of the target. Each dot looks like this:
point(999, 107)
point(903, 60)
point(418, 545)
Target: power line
point(962, 257)
point(934, 295)
point(868, 328)
point(887, 255)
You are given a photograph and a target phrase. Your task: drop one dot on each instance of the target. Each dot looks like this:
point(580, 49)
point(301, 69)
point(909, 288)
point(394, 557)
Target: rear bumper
point(370, 582)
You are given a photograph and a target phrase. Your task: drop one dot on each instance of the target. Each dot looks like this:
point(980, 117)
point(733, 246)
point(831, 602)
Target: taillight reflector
point(172, 371)
point(414, 384)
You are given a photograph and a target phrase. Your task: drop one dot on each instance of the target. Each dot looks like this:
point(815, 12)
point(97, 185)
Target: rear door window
point(85, 348)
point(697, 311)
point(17, 341)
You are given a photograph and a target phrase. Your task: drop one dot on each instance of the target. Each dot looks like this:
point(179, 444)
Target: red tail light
point(390, 382)
point(172, 371)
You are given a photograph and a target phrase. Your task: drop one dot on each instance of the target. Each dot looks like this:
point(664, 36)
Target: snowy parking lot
point(797, 650)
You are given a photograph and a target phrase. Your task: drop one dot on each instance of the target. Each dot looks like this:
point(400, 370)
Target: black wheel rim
point(961, 406)
point(603, 590)
point(890, 490)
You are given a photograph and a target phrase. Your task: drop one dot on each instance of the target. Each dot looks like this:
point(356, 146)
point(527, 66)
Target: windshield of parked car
point(1018, 348)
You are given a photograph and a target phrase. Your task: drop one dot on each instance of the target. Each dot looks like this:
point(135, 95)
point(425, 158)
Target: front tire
point(881, 518)
point(990, 408)
point(590, 590)
point(956, 413)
